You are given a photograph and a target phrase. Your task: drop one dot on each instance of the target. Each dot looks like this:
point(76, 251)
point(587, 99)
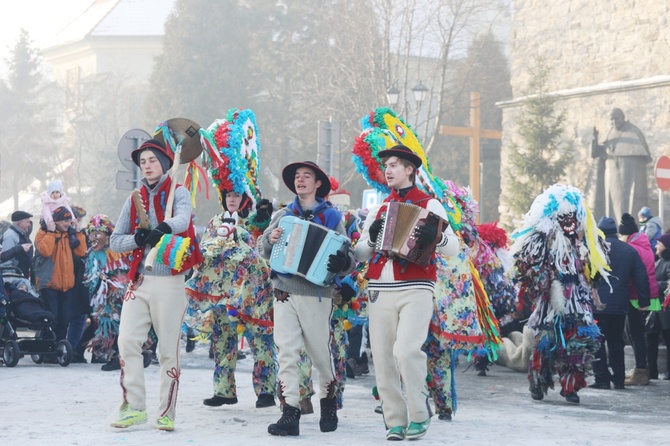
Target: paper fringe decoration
point(172, 250)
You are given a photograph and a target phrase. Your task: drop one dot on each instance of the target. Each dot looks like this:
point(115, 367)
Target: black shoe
point(619, 386)
point(481, 372)
point(570, 397)
point(328, 421)
point(350, 371)
point(444, 416)
point(597, 385)
point(98, 360)
point(217, 401)
point(112, 365)
point(288, 424)
point(265, 400)
point(190, 345)
point(147, 359)
point(536, 394)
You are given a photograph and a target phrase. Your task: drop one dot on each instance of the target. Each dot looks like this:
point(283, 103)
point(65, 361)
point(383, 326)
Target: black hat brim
point(409, 156)
point(288, 175)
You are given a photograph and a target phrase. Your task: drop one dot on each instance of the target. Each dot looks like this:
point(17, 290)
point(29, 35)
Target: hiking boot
point(444, 415)
point(328, 421)
point(357, 367)
point(112, 365)
point(349, 370)
point(570, 397)
point(536, 393)
point(306, 407)
point(288, 424)
point(165, 424)
point(417, 430)
point(217, 401)
point(129, 417)
point(396, 433)
point(265, 400)
point(639, 377)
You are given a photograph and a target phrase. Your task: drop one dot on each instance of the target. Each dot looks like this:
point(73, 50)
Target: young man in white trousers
point(401, 302)
point(303, 310)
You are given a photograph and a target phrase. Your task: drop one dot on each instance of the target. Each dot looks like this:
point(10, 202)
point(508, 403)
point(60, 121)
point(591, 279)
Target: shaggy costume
point(559, 255)
point(233, 282)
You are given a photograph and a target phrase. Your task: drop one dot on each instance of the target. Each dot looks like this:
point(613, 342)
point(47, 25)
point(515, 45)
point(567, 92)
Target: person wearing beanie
point(53, 198)
point(17, 249)
point(302, 309)
point(650, 225)
point(661, 319)
point(636, 318)
point(626, 265)
point(56, 278)
point(153, 297)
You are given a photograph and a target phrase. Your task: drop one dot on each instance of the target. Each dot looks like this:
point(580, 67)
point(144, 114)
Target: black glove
point(155, 235)
point(141, 236)
point(347, 292)
point(375, 227)
point(263, 210)
point(338, 262)
point(425, 234)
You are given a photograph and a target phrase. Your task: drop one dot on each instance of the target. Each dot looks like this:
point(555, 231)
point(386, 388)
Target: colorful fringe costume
point(560, 255)
point(463, 320)
point(233, 281)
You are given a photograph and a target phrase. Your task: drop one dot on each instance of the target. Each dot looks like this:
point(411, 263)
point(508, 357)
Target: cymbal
point(188, 132)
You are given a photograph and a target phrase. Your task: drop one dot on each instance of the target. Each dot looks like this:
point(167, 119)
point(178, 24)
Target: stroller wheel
point(11, 353)
point(37, 358)
point(64, 352)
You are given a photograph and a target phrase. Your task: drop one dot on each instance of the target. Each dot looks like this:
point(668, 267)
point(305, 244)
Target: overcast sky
point(41, 18)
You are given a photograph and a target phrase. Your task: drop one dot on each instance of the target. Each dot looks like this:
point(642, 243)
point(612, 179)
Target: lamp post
point(419, 91)
point(392, 95)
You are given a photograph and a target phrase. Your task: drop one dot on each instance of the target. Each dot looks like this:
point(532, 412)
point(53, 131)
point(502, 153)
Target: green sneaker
point(165, 424)
point(129, 417)
point(417, 430)
point(396, 434)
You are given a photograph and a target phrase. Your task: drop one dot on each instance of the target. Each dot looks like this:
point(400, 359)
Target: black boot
point(112, 365)
point(328, 421)
point(288, 424)
point(217, 401)
point(265, 400)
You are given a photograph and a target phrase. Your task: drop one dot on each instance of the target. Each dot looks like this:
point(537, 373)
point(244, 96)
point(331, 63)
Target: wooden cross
point(476, 134)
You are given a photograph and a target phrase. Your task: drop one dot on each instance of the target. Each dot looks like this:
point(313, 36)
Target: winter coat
point(13, 254)
point(627, 270)
point(643, 247)
point(653, 228)
point(663, 278)
point(57, 271)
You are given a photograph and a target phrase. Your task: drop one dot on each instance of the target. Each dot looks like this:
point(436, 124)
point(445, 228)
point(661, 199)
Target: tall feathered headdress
point(383, 129)
point(231, 153)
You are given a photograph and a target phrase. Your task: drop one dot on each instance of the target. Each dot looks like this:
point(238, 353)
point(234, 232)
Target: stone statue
point(621, 184)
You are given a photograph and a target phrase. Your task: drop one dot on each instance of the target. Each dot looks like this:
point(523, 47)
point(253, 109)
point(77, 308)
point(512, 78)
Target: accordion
point(397, 235)
point(304, 248)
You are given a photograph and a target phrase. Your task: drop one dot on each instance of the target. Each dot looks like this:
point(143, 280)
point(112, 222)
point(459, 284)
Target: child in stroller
point(21, 311)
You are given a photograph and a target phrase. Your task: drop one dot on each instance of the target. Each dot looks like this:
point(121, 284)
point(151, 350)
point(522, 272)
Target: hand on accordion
point(338, 262)
point(425, 234)
point(375, 227)
point(347, 292)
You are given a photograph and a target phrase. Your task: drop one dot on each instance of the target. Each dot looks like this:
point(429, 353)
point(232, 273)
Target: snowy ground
point(50, 405)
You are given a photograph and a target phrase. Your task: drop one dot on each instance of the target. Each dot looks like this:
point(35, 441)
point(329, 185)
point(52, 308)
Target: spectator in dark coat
point(661, 318)
point(627, 268)
point(17, 249)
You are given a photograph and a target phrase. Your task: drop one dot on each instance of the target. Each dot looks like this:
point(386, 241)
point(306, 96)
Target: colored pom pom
point(347, 325)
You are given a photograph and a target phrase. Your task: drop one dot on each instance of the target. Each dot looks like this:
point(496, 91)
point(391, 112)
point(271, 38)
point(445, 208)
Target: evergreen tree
point(541, 155)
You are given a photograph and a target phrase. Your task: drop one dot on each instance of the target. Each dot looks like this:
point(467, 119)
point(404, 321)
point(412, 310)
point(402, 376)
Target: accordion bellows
point(304, 248)
point(397, 236)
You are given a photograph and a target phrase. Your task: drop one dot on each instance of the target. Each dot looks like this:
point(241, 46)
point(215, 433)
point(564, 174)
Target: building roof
point(117, 18)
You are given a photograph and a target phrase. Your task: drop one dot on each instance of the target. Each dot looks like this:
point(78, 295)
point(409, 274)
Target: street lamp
point(420, 91)
point(392, 95)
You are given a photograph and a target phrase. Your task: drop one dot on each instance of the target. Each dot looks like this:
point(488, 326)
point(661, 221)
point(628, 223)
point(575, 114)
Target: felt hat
point(607, 225)
point(20, 215)
point(288, 175)
point(403, 152)
point(627, 225)
point(165, 156)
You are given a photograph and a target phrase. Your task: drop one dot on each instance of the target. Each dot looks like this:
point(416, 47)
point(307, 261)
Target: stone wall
point(600, 55)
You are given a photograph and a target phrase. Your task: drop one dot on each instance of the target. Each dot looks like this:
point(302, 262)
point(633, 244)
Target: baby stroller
point(21, 309)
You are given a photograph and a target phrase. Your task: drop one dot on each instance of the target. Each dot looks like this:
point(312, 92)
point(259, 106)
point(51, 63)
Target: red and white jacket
point(388, 274)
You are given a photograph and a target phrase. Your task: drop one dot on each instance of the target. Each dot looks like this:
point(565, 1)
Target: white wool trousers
point(399, 322)
point(303, 319)
point(161, 301)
